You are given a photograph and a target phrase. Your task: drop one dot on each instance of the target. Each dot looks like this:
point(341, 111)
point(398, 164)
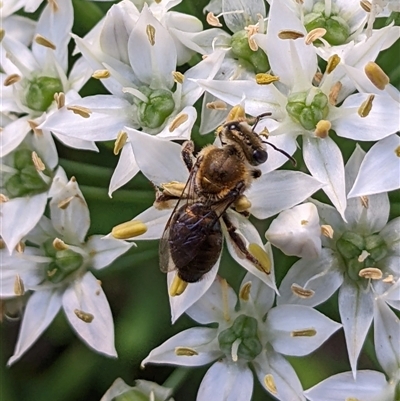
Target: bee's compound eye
point(260, 156)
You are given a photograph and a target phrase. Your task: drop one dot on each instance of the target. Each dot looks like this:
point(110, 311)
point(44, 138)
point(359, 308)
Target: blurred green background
point(60, 367)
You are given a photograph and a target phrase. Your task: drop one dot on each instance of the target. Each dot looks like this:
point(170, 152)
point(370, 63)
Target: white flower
point(60, 278)
point(254, 333)
point(297, 231)
point(360, 258)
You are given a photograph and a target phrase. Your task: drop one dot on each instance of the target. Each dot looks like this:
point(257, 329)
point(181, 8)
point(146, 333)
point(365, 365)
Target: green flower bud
point(22, 158)
point(308, 115)
point(49, 249)
point(376, 246)
point(244, 328)
point(132, 395)
point(353, 268)
point(25, 183)
point(65, 263)
point(241, 49)
point(350, 245)
point(40, 92)
point(159, 107)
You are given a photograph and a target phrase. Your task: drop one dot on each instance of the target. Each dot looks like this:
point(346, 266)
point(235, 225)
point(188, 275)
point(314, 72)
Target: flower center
point(65, 262)
point(156, 109)
point(326, 15)
point(241, 339)
point(361, 253)
point(308, 108)
point(26, 180)
point(39, 93)
point(257, 59)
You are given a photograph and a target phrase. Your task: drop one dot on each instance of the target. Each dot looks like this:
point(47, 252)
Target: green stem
point(176, 378)
point(86, 16)
point(121, 196)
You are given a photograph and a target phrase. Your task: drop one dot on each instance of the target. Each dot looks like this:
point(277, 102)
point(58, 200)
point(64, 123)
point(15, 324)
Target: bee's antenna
point(259, 118)
point(291, 158)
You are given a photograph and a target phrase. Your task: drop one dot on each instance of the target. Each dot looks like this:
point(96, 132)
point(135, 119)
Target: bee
point(192, 240)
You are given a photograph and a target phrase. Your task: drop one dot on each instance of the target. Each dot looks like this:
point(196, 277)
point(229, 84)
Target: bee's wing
point(187, 197)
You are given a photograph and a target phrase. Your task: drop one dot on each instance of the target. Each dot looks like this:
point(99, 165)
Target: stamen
point(264, 263)
point(314, 35)
point(225, 301)
point(397, 151)
point(289, 34)
point(101, 74)
point(376, 75)
point(266, 79)
point(129, 229)
point(178, 286)
point(364, 201)
point(19, 288)
point(242, 204)
point(33, 125)
point(244, 292)
point(185, 351)
point(63, 204)
point(304, 222)
point(2, 244)
point(366, 106)
point(54, 5)
point(151, 34)
point(11, 79)
point(60, 99)
point(4, 198)
point(269, 383)
point(213, 20)
point(237, 113)
point(178, 121)
point(303, 333)
point(317, 78)
point(37, 162)
point(366, 5)
point(173, 188)
point(322, 129)
point(84, 316)
point(2, 34)
point(136, 93)
point(371, 273)
point(178, 77)
point(333, 62)
point(217, 105)
point(234, 349)
point(389, 279)
point(80, 110)
point(41, 40)
point(120, 142)
point(20, 247)
point(59, 245)
point(334, 93)
point(301, 292)
point(252, 30)
point(327, 231)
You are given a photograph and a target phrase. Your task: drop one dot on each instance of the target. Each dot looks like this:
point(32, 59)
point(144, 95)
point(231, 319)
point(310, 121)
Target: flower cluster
point(307, 75)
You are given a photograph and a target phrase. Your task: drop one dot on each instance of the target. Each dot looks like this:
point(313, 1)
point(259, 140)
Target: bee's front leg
point(187, 154)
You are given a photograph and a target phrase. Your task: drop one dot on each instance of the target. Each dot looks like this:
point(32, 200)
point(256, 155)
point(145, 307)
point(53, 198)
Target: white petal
point(202, 340)
point(19, 216)
point(356, 313)
point(325, 162)
point(193, 292)
point(104, 251)
point(46, 148)
point(158, 159)
point(184, 130)
point(271, 365)
point(13, 134)
point(217, 304)
point(41, 309)
point(369, 386)
point(77, 143)
point(284, 321)
point(86, 295)
point(391, 235)
point(323, 276)
point(280, 190)
point(379, 169)
point(236, 380)
point(328, 215)
point(386, 337)
point(248, 15)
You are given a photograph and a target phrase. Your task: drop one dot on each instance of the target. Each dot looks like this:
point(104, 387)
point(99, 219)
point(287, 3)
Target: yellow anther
point(129, 229)
point(244, 292)
point(37, 162)
point(185, 351)
point(101, 74)
point(389, 279)
point(322, 129)
point(304, 222)
point(60, 99)
point(242, 204)
point(51, 273)
point(317, 78)
point(237, 113)
point(178, 121)
point(151, 34)
point(371, 272)
point(54, 5)
point(397, 151)
point(173, 188)
point(120, 142)
point(64, 203)
point(301, 292)
point(213, 20)
point(80, 110)
point(289, 34)
point(4, 198)
point(19, 288)
point(177, 287)
point(366, 106)
point(2, 34)
point(33, 125)
point(59, 245)
point(333, 62)
point(334, 93)
point(327, 231)
point(41, 40)
point(364, 201)
point(84, 316)
point(217, 105)
point(303, 333)
point(11, 79)
point(264, 263)
point(314, 35)
point(269, 383)
point(266, 79)
point(366, 5)
point(376, 75)
point(178, 77)
point(20, 247)
point(252, 30)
